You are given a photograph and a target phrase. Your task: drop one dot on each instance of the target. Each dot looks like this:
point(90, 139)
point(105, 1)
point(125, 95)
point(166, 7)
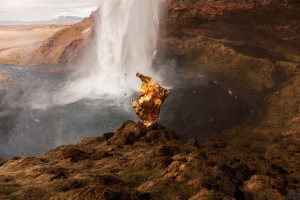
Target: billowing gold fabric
point(151, 97)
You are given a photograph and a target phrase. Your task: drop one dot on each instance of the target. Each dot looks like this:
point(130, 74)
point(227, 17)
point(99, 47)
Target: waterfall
point(126, 35)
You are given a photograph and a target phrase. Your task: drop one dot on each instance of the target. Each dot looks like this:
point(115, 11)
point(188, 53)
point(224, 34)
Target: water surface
point(195, 107)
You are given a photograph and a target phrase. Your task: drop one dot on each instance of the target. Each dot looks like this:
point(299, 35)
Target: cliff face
point(252, 47)
point(245, 41)
point(63, 45)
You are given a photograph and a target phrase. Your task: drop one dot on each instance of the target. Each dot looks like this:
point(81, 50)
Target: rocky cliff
point(251, 47)
point(64, 45)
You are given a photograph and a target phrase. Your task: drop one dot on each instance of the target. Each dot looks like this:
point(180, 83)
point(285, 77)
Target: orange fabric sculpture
point(151, 97)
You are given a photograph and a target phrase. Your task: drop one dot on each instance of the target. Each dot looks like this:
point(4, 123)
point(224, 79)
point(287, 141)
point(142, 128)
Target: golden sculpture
point(151, 97)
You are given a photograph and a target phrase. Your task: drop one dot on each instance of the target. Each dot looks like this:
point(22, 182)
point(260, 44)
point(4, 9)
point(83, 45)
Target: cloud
point(43, 10)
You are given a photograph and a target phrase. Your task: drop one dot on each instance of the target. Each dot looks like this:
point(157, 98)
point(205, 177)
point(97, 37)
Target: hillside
point(138, 163)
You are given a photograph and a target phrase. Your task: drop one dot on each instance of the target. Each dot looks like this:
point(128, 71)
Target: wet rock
point(60, 175)
point(108, 180)
point(292, 195)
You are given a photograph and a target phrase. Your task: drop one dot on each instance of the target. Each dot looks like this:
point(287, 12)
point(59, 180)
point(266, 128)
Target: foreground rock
point(146, 163)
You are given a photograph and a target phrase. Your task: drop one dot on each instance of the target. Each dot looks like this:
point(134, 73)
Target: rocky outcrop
point(137, 162)
point(64, 45)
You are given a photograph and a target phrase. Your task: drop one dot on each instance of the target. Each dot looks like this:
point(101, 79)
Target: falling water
point(126, 36)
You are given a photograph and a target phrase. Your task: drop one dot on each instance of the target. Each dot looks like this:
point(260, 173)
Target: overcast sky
point(44, 10)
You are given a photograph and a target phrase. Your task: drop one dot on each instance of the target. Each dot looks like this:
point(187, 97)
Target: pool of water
point(195, 107)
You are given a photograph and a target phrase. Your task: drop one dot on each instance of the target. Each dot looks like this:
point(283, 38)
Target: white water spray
point(126, 34)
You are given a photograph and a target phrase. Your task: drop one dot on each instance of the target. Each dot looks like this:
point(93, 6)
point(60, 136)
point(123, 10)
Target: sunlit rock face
point(151, 97)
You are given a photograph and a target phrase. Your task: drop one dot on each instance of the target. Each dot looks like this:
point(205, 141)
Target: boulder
point(128, 133)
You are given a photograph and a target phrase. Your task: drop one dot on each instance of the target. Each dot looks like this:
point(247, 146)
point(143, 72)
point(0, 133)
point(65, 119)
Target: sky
point(44, 10)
